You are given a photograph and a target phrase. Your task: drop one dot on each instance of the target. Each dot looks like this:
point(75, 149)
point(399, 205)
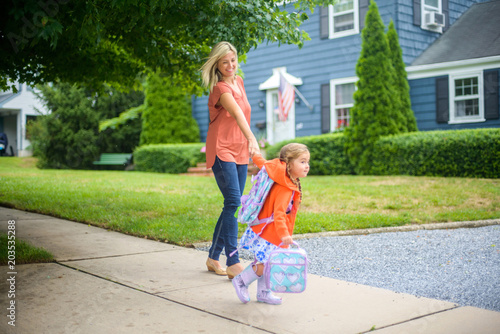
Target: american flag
point(286, 98)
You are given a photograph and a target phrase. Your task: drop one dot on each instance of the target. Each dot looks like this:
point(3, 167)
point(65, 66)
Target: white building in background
point(16, 109)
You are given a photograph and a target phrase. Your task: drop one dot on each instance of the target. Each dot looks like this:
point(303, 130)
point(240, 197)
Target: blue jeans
point(231, 180)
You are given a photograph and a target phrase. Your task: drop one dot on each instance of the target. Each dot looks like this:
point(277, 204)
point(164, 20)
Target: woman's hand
point(287, 240)
point(253, 146)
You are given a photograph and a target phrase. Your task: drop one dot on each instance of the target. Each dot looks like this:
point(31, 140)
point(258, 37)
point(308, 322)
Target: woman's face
point(228, 65)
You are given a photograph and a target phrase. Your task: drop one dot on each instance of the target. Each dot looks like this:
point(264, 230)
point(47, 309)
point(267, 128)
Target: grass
point(22, 253)
point(184, 209)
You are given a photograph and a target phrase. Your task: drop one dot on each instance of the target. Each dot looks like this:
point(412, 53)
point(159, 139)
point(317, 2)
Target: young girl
point(286, 171)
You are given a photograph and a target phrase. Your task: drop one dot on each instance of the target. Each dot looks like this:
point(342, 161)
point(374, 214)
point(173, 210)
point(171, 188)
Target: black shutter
point(491, 85)
point(363, 9)
point(323, 23)
point(325, 108)
point(442, 100)
point(446, 13)
point(417, 13)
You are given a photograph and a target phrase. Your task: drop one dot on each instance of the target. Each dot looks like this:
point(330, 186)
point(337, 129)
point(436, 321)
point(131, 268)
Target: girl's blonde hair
point(290, 152)
point(209, 72)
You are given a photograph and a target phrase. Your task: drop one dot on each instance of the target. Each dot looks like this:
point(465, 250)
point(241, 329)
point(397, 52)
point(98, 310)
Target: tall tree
point(111, 41)
point(69, 138)
point(374, 112)
point(166, 114)
point(401, 81)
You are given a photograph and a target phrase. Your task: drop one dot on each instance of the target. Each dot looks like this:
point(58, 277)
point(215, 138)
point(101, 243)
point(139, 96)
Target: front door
point(278, 130)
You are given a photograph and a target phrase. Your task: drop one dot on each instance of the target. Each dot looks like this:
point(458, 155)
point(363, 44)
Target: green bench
point(114, 159)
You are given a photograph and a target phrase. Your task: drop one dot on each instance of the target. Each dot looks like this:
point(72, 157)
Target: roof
point(6, 97)
point(476, 34)
point(274, 80)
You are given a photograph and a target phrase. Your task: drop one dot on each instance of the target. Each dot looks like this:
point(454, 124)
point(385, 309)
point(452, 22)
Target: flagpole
point(303, 98)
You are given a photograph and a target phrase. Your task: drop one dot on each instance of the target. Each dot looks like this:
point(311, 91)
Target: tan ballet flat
point(218, 271)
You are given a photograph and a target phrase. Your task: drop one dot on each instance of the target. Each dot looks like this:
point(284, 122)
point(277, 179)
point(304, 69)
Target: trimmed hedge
point(327, 153)
point(462, 153)
point(168, 158)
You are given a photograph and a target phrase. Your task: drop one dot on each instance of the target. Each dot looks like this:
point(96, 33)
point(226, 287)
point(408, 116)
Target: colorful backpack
point(252, 203)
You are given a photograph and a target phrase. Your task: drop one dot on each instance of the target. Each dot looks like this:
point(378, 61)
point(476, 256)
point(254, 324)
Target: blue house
point(451, 49)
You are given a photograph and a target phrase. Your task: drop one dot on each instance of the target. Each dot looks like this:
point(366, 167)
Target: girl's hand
point(287, 240)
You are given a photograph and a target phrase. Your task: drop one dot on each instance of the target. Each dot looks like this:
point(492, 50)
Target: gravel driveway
point(460, 265)
point(457, 265)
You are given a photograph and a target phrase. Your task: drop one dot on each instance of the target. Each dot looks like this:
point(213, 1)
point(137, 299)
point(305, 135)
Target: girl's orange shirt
point(224, 137)
point(277, 202)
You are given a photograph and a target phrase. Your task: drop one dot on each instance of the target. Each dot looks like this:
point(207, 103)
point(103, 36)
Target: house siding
point(323, 60)
point(423, 103)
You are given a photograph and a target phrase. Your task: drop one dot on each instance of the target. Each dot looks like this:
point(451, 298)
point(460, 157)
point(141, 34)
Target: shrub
point(327, 153)
point(463, 153)
point(168, 158)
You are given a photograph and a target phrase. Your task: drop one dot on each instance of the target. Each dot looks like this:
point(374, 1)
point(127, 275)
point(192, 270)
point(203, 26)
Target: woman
point(230, 143)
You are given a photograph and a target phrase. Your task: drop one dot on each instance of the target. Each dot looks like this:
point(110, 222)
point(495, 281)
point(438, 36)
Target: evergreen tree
point(374, 112)
point(68, 137)
point(401, 81)
point(167, 117)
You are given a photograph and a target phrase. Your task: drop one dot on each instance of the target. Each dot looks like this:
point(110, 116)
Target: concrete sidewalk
point(107, 282)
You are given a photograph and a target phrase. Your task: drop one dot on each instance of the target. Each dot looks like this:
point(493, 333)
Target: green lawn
point(21, 252)
point(184, 209)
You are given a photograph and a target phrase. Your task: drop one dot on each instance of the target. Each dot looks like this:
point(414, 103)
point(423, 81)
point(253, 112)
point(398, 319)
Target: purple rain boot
point(265, 295)
point(242, 281)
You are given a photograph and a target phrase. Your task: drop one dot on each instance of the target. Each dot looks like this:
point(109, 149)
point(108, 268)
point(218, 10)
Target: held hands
point(287, 240)
point(253, 146)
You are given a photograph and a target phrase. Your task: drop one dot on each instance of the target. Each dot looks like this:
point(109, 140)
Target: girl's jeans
point(231, 180)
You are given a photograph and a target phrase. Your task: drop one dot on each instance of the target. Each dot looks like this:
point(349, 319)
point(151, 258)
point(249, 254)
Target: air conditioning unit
point(434, 19)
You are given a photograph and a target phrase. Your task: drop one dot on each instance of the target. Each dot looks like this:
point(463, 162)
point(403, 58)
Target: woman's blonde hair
point(209, 72)
point(290, 152)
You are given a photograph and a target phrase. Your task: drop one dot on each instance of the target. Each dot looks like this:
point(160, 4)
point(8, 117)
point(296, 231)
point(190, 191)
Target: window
point(344, 18)
point(342, 102)
point(433, 18)
point(466, 92)
point(432, 5)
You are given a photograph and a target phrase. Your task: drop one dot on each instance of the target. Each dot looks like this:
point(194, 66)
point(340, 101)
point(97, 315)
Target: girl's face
point(300, 167)
point(228, 65)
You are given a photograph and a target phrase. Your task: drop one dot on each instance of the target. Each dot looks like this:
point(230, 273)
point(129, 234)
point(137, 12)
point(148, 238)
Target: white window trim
point(470, 119)
point(439, 7)
point(354, 31)
point(424, 9)
point(333, 107)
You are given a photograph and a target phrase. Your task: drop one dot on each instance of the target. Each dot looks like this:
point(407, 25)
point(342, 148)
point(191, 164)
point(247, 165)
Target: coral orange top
point(277, 202)
point(224, 137)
